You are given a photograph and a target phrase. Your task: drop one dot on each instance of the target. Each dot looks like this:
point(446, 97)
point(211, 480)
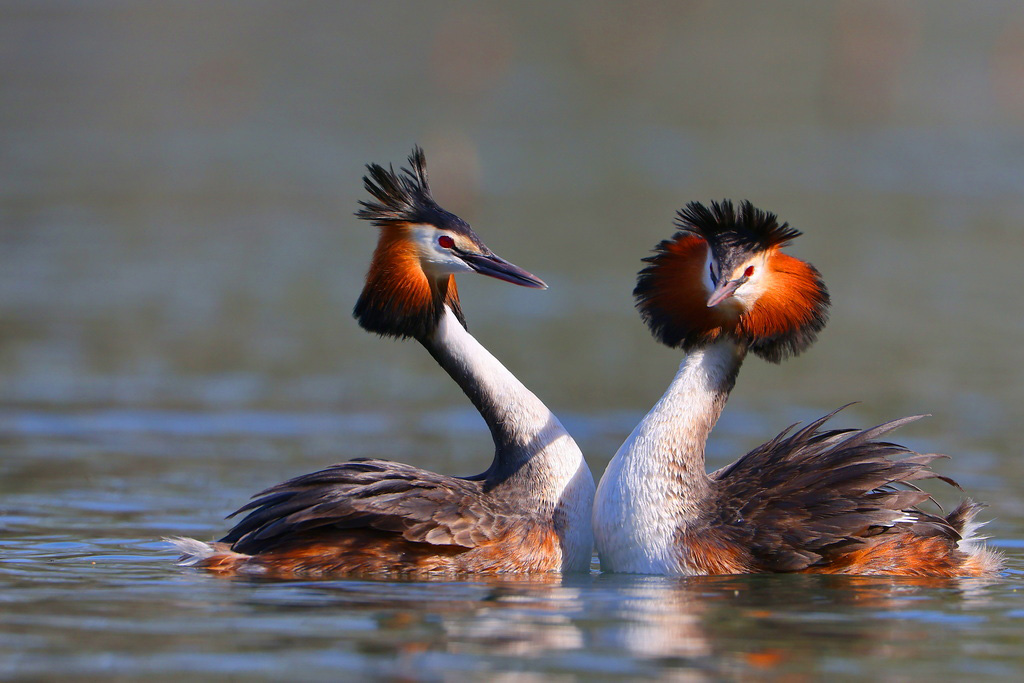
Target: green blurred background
point(177, 183)
point(179, 259)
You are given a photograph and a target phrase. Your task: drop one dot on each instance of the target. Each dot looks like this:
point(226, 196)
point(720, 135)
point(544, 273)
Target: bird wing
point(801, 498)
point(415, 504)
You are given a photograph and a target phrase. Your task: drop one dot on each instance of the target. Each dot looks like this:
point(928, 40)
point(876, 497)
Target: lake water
point(178, 260)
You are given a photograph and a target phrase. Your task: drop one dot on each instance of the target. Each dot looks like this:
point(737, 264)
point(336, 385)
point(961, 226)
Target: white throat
point(657, 480)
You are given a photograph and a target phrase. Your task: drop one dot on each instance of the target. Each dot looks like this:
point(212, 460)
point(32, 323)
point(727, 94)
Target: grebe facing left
point(528, 512)
point(816, 501)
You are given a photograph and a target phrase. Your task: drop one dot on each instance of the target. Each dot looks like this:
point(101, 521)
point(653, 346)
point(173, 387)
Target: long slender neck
point(672, 436)
point(523, 428)
point(537, 465)
point(656, 482)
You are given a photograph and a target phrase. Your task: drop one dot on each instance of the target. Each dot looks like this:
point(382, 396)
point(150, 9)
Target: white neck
point(657, 482)
point(536, 463)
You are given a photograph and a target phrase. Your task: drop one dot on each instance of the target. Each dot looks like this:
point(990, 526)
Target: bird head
point(724, 274)
point(420, 250)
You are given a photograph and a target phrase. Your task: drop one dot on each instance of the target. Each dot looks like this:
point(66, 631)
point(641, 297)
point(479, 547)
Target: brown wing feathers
point(385, 496)
point(799, 498)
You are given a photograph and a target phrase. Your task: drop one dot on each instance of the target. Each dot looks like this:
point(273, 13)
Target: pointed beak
point(495, 266)
point(724, 291)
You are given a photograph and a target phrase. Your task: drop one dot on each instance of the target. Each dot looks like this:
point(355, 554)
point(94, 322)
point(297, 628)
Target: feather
point(800, 501)
point(385, 496)
point(671, 292)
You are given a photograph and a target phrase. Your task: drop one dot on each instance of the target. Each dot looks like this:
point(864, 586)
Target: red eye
point(446, 241)
point(749, 271)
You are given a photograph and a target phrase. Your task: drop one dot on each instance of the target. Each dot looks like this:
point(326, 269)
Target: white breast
point(634, 526)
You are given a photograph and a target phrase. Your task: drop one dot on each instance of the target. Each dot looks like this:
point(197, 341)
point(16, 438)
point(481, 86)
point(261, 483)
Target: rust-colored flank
point(894, 552)
point(903, 553)
point(526, 549)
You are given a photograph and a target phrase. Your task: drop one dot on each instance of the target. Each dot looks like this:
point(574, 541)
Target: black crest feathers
point(723, 227)
point(404, 197)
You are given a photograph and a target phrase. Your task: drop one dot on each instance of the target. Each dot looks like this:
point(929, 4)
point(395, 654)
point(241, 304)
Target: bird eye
point(749, 271)
point(711, 272)
point(446, 242)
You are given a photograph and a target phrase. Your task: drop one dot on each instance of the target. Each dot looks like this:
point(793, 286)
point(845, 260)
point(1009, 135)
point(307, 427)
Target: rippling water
point(89, 590)
point(178, 260)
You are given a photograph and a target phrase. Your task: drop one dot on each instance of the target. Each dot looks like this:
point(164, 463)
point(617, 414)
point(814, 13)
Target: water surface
point(178, 260)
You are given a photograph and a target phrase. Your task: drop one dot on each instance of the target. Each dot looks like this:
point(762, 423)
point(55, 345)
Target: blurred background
point(179, 259)
point(178, 253)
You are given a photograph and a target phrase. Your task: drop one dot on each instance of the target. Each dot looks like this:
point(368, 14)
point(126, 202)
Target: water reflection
point(178, 260)
point(745, 624)
point(708, 627)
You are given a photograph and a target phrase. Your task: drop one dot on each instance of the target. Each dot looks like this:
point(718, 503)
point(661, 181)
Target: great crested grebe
point(529, 512)
point(816, 501)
